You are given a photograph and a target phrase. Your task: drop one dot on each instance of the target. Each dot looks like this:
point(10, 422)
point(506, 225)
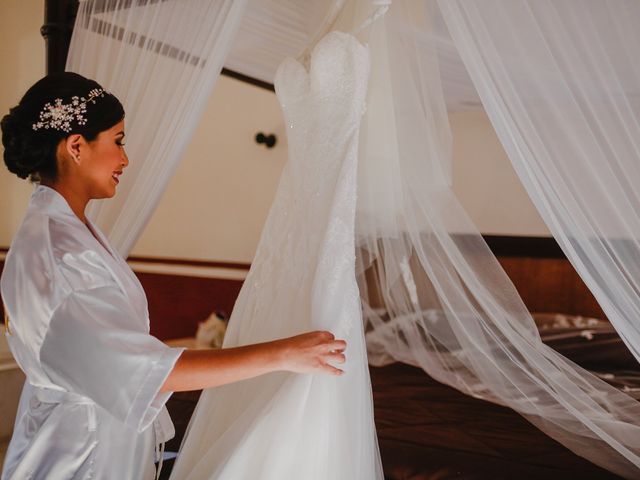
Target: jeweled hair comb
point(59, 115)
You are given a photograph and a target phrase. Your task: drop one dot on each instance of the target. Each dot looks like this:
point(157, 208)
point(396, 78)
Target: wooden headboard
point(544, 277)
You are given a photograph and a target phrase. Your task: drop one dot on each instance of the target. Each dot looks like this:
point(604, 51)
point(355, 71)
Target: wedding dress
point(283, 425)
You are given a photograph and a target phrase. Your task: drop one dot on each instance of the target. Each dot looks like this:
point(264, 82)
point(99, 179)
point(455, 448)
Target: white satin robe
point(79, 329)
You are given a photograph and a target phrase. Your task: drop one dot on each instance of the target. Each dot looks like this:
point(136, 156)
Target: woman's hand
point(311, 353)
point(307, 353)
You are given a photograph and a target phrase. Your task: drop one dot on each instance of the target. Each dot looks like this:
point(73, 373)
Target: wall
point(485, 182)
point(218, 200)
point(216, 205)
point(22, 60)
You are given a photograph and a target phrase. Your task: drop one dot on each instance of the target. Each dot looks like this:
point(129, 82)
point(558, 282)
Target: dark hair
point(32, 153)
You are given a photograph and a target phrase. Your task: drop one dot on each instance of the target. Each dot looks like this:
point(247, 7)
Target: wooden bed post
point(59, 17)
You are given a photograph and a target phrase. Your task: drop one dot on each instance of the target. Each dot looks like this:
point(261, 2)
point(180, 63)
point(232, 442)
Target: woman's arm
point(306, 353)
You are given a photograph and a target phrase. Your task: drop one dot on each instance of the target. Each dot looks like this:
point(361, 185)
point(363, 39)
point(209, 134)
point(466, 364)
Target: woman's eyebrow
point(120, 133)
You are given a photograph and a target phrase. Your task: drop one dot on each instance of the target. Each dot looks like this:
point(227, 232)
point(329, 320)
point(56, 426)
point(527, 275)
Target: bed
point(427, 430)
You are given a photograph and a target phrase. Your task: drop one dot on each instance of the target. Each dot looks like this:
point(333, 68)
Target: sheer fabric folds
point(272, 30)
point(162, 60)
point(433, 293)
point(560, 81)
point(284, 425)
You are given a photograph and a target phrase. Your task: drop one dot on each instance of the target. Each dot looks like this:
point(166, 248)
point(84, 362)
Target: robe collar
point(49, 201)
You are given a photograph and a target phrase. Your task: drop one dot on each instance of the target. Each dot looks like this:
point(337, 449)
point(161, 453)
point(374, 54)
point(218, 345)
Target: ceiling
point(272, 30)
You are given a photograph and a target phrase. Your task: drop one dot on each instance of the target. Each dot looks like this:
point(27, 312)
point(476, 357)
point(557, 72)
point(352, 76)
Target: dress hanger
point(382, 6)
point(379, 12)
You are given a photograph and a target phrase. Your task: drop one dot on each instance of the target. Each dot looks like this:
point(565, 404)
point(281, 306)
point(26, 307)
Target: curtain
point(560, 81)
point(161, 59)
point(433, 294)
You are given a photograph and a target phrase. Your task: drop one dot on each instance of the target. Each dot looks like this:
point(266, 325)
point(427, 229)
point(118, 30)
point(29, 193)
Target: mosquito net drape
point(560, 81)
point(433, 293)
point(161, 59)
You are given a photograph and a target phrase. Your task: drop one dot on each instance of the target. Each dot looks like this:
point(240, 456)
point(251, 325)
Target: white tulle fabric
point(433, 293)
point(283, 425)
point(161, 59)
point(569, 118)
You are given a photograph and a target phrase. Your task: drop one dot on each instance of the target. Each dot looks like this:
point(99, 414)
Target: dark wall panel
point(545, 279)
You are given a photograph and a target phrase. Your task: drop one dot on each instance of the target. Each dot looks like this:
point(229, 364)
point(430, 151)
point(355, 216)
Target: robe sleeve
point(91, 349)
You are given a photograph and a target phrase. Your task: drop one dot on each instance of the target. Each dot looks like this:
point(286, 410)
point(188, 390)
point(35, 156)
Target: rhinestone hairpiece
point(58, 116)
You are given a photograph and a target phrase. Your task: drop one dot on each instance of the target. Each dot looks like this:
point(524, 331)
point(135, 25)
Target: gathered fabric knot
point(50, 395)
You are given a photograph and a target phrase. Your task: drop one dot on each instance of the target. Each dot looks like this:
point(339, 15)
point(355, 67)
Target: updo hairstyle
point(30, 151)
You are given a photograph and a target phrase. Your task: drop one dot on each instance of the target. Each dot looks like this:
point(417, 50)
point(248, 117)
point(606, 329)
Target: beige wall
point(216, 204)
point(485, 182)
point(22, 62)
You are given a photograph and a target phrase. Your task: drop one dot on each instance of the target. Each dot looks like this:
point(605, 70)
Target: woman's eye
point(119, 143)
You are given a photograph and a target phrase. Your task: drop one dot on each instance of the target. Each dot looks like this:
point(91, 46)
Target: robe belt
point(48, 395)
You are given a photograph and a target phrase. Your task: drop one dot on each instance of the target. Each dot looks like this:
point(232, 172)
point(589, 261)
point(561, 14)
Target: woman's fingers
point(335, 357)
point(331, 369)
point(311, 352)
point(327, 336)
point(337, 346)
point(333, 352)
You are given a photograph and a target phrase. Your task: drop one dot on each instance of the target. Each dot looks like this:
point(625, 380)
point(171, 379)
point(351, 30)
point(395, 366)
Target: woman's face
point(102, 162)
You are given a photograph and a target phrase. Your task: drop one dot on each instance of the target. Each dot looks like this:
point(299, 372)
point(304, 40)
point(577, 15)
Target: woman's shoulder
point(30, 246)
point(50, 228)
point(44, 238)
point(59, 252)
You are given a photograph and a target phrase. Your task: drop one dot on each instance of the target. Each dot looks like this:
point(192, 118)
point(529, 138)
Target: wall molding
point(180, 267)
point(139, 259)
point(186, 270)
point(500, 245)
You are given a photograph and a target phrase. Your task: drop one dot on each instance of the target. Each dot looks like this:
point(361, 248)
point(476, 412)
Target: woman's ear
point(72, 145)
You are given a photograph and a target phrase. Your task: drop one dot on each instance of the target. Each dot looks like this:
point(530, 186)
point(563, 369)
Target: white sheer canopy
point(564, 104)
point(161, 59)
point(433, 293)
point(560, 81)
